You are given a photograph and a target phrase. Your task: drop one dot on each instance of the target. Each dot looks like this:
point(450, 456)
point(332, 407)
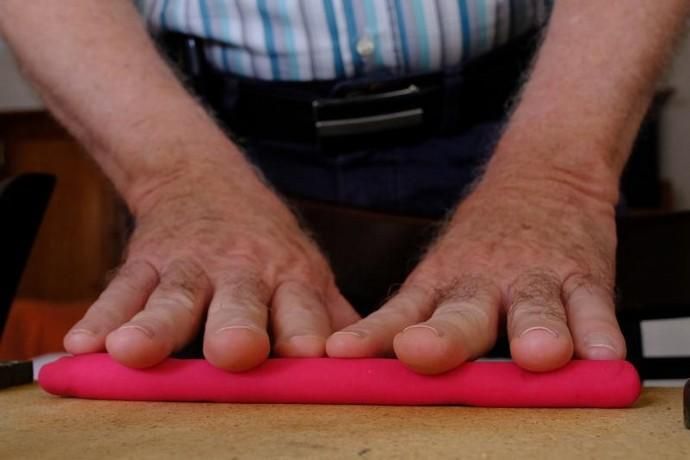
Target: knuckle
point(183, 284)
point(414, 289)
point(105, 313)
point(133, 276)
point(590, 282)
point(184, 292)
point(468, 288)
point(234, 312)
point(535, 285)
point(241, 294)
point(246, 287)
point(412, 302)
point(183, 300)
point(468, 314)
point(302, 290)
point(243, 261)
point(551, 312)
point(536, 294)
point(184, 269)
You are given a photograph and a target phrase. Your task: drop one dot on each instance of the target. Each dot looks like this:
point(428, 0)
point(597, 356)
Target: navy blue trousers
point(425, 179)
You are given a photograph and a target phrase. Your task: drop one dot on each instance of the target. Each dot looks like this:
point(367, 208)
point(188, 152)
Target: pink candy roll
point(602, 384)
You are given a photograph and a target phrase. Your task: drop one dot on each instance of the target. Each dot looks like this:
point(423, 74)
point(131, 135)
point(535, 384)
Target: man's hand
point(200, 247)
point(540, 255)
point(536, 240)
point(210, 237)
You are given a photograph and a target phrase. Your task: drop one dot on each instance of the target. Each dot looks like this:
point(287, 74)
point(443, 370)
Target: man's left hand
point(538, 253)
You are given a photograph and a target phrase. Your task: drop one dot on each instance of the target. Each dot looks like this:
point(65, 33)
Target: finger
point(373, 335)
point(125, 295)
point(235, 338)
point(300, 321)
point(463, 327)
point(169, 319)
point(537, 326)
point(592, 320)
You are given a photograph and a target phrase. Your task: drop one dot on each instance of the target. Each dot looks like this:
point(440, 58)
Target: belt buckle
point(368, 114)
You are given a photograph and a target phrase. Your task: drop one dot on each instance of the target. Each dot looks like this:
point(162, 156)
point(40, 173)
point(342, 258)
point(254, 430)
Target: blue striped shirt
point(305, 40)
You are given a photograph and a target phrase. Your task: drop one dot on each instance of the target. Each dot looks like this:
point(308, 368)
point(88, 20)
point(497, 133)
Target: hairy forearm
point(591, 85)
point(99, 73)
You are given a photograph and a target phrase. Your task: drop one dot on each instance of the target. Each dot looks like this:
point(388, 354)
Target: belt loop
point(450, 112)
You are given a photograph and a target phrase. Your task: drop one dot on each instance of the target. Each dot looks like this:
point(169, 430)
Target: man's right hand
point(210, 237)
point(204, 246)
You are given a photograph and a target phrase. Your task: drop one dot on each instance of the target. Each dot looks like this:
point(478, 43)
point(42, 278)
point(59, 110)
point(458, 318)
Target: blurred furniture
point(36, 327)
point(82, 235)
point(80, 240)
point(654, 283)
point(641, 184)
point(23, 201)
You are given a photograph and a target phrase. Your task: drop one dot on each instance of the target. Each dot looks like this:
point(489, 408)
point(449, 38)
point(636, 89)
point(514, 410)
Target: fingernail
point(81, 331)
point(600, 347)
point(307, 336)
point(602, 352)
point(239, 328)
point(539, 328)
point(423, 326)
point(350, 333)
point(147, 332)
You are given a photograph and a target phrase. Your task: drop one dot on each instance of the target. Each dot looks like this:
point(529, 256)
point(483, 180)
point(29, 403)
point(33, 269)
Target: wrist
point(167, 153)
point(572, 171)
point(193, 170)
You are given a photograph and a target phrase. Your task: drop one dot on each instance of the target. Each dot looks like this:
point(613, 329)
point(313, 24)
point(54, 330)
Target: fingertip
point(602, 353)
point(347, 344)
point(79, 341)
point(540, 349)
point(136, 346)
point(237, 348)
point(373, 335)
point(602, 346)
point(302, 346)
point(425, 350)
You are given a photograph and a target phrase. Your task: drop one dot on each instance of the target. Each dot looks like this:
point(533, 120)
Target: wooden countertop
point(34, 424)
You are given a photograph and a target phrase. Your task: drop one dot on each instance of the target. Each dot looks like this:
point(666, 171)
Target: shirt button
point(365, 47)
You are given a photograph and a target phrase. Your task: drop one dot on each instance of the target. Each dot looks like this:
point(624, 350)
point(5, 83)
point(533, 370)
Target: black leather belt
point(362, 114)
point(359, 112)
point(338, 115)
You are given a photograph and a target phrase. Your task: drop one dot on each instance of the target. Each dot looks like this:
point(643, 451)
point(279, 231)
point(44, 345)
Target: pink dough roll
point(603, 384)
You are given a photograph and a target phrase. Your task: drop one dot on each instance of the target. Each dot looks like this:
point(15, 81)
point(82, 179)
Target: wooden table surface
point(34, 424)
